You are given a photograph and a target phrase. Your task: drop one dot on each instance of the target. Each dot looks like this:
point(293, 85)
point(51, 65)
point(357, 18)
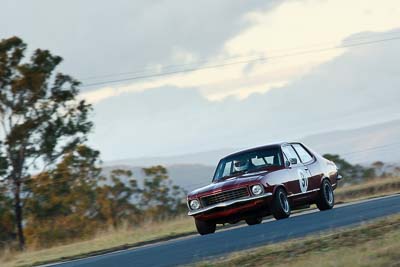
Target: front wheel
point(280, 206)
point(326, 198)
point(205, 227)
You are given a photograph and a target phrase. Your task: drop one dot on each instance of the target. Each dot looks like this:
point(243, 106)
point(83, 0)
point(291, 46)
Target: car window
point(290, 153)
point(258, 161)
point(262, 161)
point(227, 169)
point(248, 161)
point(304, 155)
point(270, 159)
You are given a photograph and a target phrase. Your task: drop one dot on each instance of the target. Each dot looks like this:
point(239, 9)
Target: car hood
point(230, 183)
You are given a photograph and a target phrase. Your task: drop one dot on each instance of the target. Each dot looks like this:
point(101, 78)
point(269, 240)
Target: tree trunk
point(18, 216)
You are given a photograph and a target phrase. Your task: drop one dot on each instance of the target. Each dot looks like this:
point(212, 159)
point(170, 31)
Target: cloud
point(288, 28)
point(235, 106)
point(105, 37)
point(355, 89)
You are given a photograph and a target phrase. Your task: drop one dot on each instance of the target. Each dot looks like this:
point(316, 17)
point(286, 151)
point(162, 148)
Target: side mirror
point(287, 163)
point(293, 161)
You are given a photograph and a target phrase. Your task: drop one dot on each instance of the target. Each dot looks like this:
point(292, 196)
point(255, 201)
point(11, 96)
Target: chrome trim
point(224, 191)
point(248, 190)
point(251, 190)
point(293, 195)
point(227, 203)
point(187, 202)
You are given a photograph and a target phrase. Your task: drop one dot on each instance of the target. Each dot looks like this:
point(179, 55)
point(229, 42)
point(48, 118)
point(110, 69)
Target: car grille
point(225, 196)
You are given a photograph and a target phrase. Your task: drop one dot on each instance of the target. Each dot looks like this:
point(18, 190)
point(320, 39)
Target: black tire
point(326, 197)
point(280, 207)
point(253, 220)
point(205, 227)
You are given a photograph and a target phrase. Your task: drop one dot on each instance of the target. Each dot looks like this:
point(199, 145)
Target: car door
point(308, 160)
point(299, 174)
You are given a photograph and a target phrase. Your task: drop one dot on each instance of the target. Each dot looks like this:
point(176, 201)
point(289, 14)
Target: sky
point(265, 71)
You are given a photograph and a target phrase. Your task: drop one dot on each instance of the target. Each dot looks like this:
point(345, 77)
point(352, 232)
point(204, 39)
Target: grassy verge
point(373, 188)
point(152, 232)
point(373, 244)
point(103, 242)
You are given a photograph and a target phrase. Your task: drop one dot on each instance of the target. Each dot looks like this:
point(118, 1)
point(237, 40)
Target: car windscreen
point(247, 162)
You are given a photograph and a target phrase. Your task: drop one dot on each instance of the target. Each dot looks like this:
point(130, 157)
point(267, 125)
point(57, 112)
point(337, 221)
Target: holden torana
point(258, 182)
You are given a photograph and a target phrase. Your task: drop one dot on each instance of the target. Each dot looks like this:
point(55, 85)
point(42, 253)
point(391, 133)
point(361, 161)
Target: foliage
point(352, 173)
point(40, 116)
point(50, 184)
point(161, 199)
point(62, 200)
point(116, 201)
point(74, 201)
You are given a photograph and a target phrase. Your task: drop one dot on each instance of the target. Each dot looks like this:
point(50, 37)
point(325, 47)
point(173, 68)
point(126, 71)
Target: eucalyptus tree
point(40, 116)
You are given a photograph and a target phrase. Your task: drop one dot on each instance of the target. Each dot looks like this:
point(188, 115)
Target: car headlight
point(257, 190)
point(194, 204)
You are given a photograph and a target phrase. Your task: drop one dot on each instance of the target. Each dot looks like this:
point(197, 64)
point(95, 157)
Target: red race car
point(258, 182)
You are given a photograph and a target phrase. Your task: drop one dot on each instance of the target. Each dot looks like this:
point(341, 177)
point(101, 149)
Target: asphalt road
point(196, 248)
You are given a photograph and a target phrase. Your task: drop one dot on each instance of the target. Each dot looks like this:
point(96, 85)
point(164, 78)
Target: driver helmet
point(240, 165)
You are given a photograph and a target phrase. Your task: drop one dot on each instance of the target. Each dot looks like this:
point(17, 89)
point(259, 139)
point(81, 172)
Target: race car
point(269, 180)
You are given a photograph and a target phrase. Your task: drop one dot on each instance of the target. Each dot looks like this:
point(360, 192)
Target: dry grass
point(152, 232)
point(103, 242)
point(373, 188)
point(374, 244)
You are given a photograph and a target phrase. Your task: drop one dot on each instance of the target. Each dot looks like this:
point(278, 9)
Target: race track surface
point(196, 248)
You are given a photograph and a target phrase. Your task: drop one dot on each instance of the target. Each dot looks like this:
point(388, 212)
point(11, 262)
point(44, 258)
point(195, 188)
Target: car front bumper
point(228, 203)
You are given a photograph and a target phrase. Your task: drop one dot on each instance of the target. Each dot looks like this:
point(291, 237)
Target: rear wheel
point(254, 220)
point(280, 206)
point(205, 227)
point(326, 198)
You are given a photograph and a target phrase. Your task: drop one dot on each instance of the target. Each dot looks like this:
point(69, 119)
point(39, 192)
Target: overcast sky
point(303, 86)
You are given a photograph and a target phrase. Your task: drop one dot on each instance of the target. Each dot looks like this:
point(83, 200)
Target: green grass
point(373, 244)
point(113, 240)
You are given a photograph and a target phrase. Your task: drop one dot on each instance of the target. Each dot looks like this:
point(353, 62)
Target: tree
point(350, 172)
point(40, 116)
point(7, 230)
point(160, 198)
point(379, 167)
point(116, 199)
point(63, 200)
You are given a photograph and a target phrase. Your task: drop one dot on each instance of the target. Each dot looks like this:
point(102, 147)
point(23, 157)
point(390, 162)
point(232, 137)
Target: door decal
point(303, 180)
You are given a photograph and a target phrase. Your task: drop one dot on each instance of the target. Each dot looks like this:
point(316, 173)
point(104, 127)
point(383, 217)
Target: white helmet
point(240, 165)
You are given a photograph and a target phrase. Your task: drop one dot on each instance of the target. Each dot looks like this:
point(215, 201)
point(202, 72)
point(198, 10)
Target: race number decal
point(303, 180)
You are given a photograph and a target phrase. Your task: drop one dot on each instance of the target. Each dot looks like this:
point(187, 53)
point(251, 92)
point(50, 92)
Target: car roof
point(258, 148)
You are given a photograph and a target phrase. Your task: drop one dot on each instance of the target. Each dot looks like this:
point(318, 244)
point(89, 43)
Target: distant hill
point(204, 158)
point(363, 145)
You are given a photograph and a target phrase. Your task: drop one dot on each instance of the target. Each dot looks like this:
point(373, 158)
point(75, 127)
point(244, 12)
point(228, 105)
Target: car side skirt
point(303, 193)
